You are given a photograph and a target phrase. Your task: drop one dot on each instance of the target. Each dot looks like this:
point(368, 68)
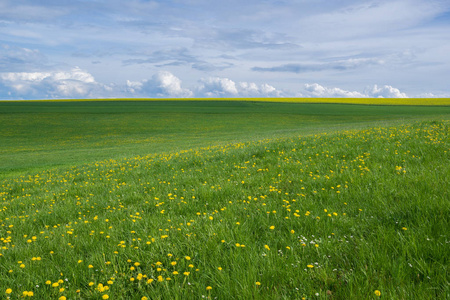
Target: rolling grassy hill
point(229, 200)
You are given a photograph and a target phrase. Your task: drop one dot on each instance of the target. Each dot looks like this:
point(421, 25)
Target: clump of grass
point(355, 214)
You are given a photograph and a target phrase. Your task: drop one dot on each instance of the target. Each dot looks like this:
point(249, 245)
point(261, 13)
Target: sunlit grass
point(356, 214)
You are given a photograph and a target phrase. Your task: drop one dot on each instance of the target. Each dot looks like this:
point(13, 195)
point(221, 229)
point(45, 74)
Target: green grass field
point(223, 200)
point(37, 134)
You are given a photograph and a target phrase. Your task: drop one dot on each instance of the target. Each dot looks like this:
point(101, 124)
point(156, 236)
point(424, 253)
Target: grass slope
point(347, 215)
point(45, 134)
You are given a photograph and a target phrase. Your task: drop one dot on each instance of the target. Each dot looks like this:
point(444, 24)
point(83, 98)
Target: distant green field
point(37, 134)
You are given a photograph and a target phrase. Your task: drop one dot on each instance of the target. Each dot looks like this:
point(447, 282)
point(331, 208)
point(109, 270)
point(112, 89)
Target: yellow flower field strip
point(362, 101)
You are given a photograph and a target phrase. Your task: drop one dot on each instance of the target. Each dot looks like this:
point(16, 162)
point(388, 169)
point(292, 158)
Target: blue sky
point(208, 48)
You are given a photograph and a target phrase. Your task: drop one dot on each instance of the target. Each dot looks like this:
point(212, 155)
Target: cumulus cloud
point(385, 91)
point(78, 83)
point(162, 84)
point(224, 87)
point(317, 90)
point(55, 84)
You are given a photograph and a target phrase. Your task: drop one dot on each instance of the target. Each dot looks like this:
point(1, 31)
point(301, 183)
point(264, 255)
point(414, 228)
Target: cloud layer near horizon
point(77, 83)
point(224, 49)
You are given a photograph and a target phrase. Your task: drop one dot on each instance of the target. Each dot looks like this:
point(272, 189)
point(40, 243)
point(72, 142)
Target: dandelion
point(267, 247)
point(258, 283)
point(272, 227)
point(310, 266)
point(144, 298)
point(404, 228)
point(62, 298)
point(377, 293)
point(105, 297)
point(187, 258)
point(8, 291)
point(208, 288)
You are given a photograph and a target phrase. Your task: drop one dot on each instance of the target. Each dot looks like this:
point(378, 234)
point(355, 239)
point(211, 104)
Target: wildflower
point(144, 298)
point(55, 284)
point(310, 266)
point(258, 283)
point(267, 247)
point(8, 291)
point(105, 297)
point(219, 268)
point(149, 281)
point(186, 273)
point(62, 298)
point(272, 227)
point(48, 282)
point(208, 288)
point(377, 293)
point(404, 228)
point(187, 258)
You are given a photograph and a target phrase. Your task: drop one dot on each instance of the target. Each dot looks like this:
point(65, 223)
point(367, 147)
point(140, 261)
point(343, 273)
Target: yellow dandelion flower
point(258, 283)
point(48, 282)
point(310, 266)
point(219, 268)
point(208, 288)
point(186, 273)
point(149, 281)
point(8, 291)
point(105, 297)
point(55, 284)
point(377, 293)
point(187, 258)
point(62, 298)
point(144, 298)
point(267, 247)
point(404, 228)
point(272, 227)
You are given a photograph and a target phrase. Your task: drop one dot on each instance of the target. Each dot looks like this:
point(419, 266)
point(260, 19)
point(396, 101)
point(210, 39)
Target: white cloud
point(55, 84)
point(162, 84)
point(78, 83)
point(217, 87)
point(316, 90)
point(385, 91)
point(224, 87)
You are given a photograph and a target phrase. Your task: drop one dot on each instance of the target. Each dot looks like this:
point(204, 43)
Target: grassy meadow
point(223, 200)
